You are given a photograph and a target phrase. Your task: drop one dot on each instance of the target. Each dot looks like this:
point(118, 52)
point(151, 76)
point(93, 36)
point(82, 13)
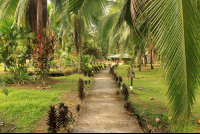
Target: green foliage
point(92, 51)
point(75, 69)
point(175, 29)
point(84, 60)
point(67, 71)
point(43, 51)
point(8, 79)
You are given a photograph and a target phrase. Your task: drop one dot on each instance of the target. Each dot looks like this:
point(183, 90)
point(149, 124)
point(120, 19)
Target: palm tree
point(175, 28)
point(32, 13)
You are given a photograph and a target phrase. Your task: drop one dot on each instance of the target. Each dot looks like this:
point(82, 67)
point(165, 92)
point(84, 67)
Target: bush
point(8, 79)
point(67, 71)
point(75, 69)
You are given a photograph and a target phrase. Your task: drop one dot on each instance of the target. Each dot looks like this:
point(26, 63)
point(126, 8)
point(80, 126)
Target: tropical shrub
point(43, 51)
point(67, 71)
point(75, 69)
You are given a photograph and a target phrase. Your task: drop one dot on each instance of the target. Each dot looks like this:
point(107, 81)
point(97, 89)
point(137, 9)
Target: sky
point(48, 1)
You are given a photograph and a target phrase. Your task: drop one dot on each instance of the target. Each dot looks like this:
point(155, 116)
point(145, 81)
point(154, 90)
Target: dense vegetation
point(67, 35)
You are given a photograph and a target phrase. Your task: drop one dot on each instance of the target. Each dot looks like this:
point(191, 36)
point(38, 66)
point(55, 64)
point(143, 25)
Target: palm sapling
point(81, 94)
point(119, 84)
point(63, 115)
point(52, 121)
point(125, 92)
point(85, 73)
point(78, 107)
point(89, 82)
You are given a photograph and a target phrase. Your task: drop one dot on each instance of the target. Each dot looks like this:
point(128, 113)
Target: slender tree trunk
point(75, 35)
point(133, 49)
point(140, 58)
point(132, 46)
point(118, 51)
point(80, 45)
point(151, 57)
point(144, 61)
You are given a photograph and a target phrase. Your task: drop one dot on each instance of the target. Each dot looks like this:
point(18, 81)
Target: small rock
point(1, 124)
point(158, 120)
point(151, 98)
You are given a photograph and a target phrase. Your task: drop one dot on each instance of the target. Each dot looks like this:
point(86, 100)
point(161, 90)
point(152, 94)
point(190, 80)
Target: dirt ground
point(102, 112)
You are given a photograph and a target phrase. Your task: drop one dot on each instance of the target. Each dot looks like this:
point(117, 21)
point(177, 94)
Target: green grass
point(69, 81)
point(24, 108)
point(152, 84)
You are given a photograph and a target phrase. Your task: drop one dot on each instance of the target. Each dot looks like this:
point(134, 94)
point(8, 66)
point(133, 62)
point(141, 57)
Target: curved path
point(102, 112)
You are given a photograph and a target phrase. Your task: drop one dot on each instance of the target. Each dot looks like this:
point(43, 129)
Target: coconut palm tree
point(175, 29)
point(32, 13)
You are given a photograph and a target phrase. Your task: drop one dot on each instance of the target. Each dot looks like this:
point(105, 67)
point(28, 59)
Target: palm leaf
point(175, 28)
point(7, 8)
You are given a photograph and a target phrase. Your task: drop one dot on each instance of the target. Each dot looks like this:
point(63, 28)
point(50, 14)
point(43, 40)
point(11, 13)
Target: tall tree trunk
point(144, 61)
point(42, 14)
point(140, 58)
point(132, 46)
point(118, 51)
point(75, 35)
point(133, 49)
point(80, 45)
point(38, 14)
point(151, 57)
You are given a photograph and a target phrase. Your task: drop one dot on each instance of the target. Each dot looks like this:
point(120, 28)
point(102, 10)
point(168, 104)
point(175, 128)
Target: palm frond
point(7, 8)
point(175, 28)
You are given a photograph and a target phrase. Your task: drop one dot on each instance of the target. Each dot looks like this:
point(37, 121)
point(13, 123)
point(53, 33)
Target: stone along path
point(102, 112)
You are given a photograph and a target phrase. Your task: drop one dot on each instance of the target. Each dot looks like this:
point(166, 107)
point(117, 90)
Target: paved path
point(102, 112)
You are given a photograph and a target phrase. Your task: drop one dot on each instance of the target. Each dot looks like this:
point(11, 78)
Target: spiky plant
point(125, 92)
point(116, 78)
point(120, 79)
point(127, 106)
point(85, 73)
point(89, 73)
point(119, 84)
point(81, 94)
point(52, 121)
point(78, 107)
point(63, 115)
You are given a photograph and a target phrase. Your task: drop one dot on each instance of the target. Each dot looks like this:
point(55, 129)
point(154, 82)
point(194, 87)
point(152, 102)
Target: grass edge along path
point(23, 108)
point(150, 83)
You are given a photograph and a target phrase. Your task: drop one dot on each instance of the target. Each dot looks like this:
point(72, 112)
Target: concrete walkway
point(102, 112)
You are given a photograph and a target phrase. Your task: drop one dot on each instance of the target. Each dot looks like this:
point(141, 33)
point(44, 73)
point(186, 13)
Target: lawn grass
point(152, 84)
point(25, 107)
